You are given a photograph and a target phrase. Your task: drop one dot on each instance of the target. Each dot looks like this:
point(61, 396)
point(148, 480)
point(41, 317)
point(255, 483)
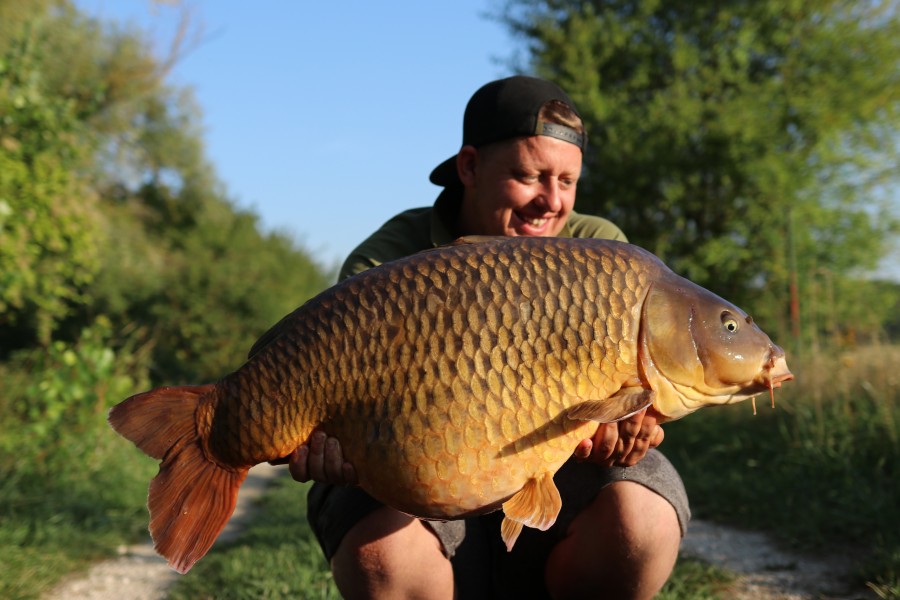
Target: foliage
point(818, 471)
point(740, 141)
point(48, 250)
point(109, 207)
point(70, 489)
point(695, 580)
point(121, 260)
point(221, 286)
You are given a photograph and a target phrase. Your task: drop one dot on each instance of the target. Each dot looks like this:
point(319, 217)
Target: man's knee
point(374, 558)
point(623, 545)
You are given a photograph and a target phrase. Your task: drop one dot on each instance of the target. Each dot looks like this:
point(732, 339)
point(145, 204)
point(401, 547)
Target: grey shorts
point(474, 545)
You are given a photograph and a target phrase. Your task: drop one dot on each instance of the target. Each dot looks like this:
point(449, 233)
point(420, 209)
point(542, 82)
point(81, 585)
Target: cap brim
point(445, 173)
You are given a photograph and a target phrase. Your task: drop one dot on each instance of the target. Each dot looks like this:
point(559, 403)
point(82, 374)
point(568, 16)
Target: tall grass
point(820, 470)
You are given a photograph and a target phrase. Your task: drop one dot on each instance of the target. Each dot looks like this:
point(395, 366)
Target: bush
point(70, 489)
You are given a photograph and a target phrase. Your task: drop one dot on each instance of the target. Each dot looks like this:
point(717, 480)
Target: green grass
point(696, 580)
point(275, 557)
point(58, 516)
point(71, 490)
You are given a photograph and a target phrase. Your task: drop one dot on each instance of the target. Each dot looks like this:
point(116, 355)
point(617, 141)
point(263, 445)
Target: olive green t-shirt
point(418, 229)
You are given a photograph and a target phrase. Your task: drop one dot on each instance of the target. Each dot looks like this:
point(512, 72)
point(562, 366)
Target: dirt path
point(765, 572)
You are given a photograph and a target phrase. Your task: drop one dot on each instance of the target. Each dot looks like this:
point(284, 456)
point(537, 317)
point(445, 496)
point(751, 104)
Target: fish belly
point(445, 464)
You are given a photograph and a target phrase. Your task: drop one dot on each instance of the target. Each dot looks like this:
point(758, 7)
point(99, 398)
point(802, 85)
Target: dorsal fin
point(477, 239)
point(269, 336)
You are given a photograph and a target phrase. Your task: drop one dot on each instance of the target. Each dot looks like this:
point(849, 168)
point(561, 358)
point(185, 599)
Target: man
point(619, 530)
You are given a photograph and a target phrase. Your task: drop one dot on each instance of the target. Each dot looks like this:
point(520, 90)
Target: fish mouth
point(774, 373)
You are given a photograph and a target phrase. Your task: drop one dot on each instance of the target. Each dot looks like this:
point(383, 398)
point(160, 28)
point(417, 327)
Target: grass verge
point(822, 470)
point(71, 491)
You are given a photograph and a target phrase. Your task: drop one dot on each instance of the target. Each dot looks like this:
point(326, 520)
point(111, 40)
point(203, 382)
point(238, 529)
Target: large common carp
point(458, 380)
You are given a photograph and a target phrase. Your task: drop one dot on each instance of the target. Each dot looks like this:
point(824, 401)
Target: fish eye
point(729, 322)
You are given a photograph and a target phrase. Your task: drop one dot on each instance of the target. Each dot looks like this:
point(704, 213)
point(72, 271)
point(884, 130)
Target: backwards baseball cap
point(504, 109)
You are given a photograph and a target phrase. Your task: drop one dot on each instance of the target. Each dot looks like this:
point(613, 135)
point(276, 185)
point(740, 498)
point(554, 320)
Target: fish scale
point(457, 380)
point(451, 342)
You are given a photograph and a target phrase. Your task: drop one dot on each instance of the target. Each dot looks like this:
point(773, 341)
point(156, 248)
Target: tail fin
point(192, 497)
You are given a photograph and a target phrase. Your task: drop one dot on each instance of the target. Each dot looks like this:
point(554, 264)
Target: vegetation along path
point(139, 573)
point(763, 571)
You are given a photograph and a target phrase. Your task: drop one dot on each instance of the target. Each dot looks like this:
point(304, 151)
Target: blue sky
point(325, 118)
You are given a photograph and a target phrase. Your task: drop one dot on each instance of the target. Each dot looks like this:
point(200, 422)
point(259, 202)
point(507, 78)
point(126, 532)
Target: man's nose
point(550, 198)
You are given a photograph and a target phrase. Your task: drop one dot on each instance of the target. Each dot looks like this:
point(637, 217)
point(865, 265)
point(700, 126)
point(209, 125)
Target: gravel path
point(764, 571)
point(767, 573)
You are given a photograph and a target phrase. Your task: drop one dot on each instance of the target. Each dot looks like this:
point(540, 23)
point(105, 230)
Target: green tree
point(109, 207)
point(48, 248)
point(742, 142)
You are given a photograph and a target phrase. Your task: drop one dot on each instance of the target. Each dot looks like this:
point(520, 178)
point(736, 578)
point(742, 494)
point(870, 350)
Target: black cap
point(505, 109)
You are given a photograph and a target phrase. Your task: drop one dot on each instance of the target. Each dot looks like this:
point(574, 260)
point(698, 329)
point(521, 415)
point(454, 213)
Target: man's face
point(520, 187)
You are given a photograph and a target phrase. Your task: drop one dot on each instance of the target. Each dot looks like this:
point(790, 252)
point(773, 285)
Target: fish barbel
point(458, 381)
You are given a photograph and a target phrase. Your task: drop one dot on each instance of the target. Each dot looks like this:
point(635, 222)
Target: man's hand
point(321, 460)
point(624, 442)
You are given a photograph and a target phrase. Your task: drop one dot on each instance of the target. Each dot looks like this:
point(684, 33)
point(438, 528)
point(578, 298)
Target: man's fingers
point(315, 463)
point(658, 437)
point(605, 441)
point(333, 462)
point(297, 464)
point(629, 429)
point(321, 459)
point(635, 445)
point(349, 474)
point(583, 449)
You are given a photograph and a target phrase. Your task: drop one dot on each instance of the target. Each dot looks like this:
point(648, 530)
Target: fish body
point(458, 381)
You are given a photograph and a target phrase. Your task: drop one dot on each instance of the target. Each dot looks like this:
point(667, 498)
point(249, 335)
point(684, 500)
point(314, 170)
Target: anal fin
point(536, 505)
point(620, 405)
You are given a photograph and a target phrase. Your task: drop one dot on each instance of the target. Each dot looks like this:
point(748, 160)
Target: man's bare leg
point(389, 555)
point(623, 545)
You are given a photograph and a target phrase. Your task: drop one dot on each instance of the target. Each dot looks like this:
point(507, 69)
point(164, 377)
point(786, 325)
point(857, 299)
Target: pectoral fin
point(537, 505)
point(620, 405)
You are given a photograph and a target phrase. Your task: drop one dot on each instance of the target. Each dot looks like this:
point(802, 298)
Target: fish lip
point(782, 377)
point(776, 368)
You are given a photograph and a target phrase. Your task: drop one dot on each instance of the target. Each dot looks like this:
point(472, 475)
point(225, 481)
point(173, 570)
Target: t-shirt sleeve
point(404, 234)
point(590, 226)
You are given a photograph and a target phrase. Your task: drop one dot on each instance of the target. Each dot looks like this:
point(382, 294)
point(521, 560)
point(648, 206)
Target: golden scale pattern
point(446, 373)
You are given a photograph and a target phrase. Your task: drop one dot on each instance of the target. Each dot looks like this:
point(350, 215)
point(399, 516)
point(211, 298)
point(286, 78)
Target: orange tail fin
point(192, 497)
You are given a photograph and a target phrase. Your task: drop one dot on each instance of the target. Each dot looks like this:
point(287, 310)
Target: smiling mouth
point(536, 222)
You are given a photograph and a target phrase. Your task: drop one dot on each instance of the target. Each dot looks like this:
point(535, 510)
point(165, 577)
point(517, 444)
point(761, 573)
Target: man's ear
point(467, 165)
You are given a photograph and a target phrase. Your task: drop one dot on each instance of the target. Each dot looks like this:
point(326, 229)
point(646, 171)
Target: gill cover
point(698, 349)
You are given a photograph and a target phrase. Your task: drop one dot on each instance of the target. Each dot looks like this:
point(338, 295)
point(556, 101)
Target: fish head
point(698, 350)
